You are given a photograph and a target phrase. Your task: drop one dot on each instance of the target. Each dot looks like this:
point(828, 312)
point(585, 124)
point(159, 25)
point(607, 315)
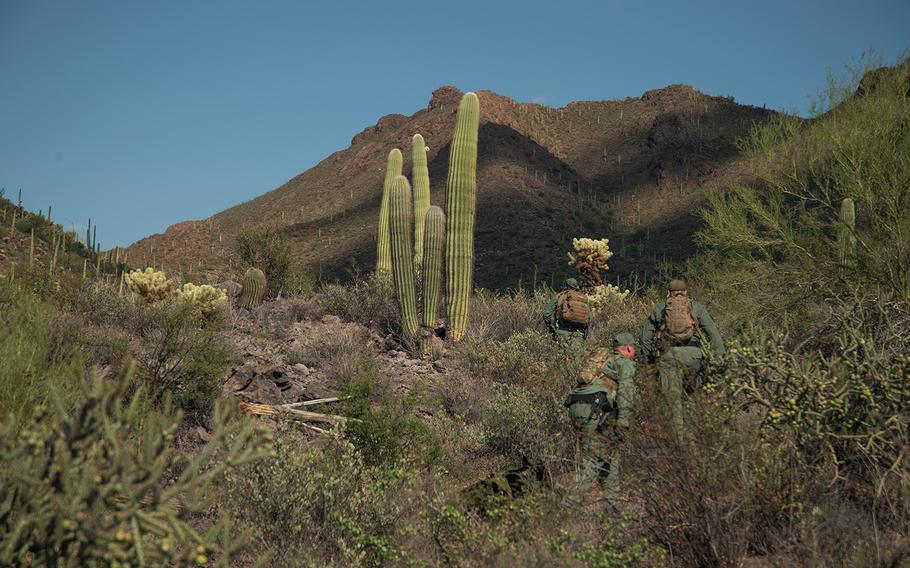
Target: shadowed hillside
point(630, 170)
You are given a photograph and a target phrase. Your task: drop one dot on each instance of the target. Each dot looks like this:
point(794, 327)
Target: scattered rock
point(331, 320)
point(204, 435)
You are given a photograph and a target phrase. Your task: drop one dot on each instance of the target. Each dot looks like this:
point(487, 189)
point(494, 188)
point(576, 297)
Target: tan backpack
point(680, 322)
point(593, 369)
point(573, 307)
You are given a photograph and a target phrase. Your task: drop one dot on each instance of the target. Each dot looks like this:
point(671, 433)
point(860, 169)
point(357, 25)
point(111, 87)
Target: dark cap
point(572, 283)
point(676, 285)
point(624, 338)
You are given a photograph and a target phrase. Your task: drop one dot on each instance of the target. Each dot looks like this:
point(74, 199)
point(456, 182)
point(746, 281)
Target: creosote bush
point(384, 428)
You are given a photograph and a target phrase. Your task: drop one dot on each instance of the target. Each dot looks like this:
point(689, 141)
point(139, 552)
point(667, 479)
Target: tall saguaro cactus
point(420, 184)
point(383, 251)
point(461, 197)
point(846, 233)
point(433, 243)
point(403, 254)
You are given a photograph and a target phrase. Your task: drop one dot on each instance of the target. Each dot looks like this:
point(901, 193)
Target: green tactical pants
point(599, 462)
point(675, 365)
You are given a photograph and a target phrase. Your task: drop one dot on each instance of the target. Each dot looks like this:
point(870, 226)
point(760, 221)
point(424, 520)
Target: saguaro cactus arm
point(383, 252)
point(403, 254)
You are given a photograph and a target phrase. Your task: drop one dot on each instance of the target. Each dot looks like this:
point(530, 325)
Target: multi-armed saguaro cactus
point(254, 288)
point(383, 252)
point(461, 197)
point(403, 254)
point(420, 184)
point(433, 243)
point(846, 233)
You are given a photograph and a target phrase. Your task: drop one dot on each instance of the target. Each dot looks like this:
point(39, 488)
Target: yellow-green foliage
point(205, 299)
point(606, 295)
point(590, 253)
point(149, 285)
point(779, 244)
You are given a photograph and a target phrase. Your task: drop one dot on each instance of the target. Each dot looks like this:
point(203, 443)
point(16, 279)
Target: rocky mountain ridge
point(631, 170)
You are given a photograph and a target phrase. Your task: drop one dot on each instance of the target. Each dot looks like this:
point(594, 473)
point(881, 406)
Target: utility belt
point(599, 404)
point(665, 342)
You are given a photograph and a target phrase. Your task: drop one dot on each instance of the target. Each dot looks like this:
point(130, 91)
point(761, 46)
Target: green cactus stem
point(403, 254)
point(433, 244)
point(461, 197)
point(846, 233)
point(254, 288)
point(383, 249)
point(53, 263)
point(420, 180)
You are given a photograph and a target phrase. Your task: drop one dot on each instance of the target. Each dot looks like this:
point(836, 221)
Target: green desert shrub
point(85, 486)
point(35, 353)
point(384, 428)
point(319, 504)
point(527, 357)
point(519, 423)
point(182, 356)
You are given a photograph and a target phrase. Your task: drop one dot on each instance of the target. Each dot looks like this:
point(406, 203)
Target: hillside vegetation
point(148, 432)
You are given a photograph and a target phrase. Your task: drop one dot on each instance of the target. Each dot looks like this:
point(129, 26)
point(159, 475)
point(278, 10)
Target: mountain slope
point(630, 170)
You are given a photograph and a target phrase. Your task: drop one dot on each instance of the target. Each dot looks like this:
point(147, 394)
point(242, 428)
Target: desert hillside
point(633, 170)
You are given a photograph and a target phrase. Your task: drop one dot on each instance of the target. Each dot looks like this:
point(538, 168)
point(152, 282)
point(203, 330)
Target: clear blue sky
point(142, 114)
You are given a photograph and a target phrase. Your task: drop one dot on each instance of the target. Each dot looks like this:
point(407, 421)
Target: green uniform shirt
point(622, 371)
point(705, 322)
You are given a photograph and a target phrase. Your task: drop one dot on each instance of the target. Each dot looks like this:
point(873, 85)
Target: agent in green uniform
point(675, 334)
point(567, 316)
point(601, 411)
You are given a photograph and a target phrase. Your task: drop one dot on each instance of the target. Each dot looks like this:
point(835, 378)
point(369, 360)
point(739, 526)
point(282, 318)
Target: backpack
point(594, 367)
point(680, 323)
point(573, 307)
point(589, 404)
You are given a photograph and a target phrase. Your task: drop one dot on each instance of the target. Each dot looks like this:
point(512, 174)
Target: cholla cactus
point(205, 299)
point(150, 285)
point(101, 485)
point(589, 258)
point(606, 295)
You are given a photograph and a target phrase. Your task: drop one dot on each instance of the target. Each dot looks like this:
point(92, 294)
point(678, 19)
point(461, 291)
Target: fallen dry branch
point(311, 402)
point(283, 410)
